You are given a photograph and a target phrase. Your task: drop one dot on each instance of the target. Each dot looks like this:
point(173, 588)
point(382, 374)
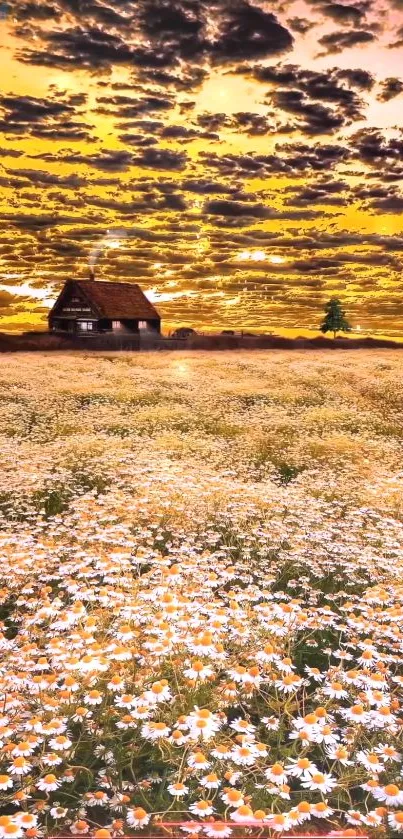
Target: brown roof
point(118, 300)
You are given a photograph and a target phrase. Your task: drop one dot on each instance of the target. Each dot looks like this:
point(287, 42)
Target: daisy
point(177, 738)
point(137, 817)
point(26, 820)
point(191, 827)
point(370, 761)
point(276, 774)
point(382, 717)
point(289, 683)
point(210, 781)
point(322, 782)
point(51, 759)
point(198, 670)
point(5, 782)
point(141, 712)
point(11, 830)
point(98, 798)
point(155, 730)
point(280, 822)
point(198, 760)
point(178, 789)
point(267, 654)
point(335, 690)
point(353, 817)
point(23, 748)
point(314, 673)
point(48, 783)
point(306, 735)
point(303, 811)
point(221, 752)
point(282, 791)
point(232, 777)
point(356, 714)
point(301, 768)
point(391, 795)
point(201, 808)
point(94, 697)
point(126, 700)
point(58, 812)
point(260, 749)
point(242, 814)
point(116, 684)
point(243, 756)
point(232, 797)
point(81, 713)
point(395, 821)
point(388, 752)
point(340, 754)
point(159, 692)
point(60, 743)
point(79, 827)
point(321, 810)
point(217, 830)
point(271, 723)
point(242, 726)
point(372, 785)
point(202, 723)
point(20, 766)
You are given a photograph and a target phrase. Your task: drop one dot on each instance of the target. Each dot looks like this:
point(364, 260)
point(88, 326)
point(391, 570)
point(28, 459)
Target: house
point(88, 307)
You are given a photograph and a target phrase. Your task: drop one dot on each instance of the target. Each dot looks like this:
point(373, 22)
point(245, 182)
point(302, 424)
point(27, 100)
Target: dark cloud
point(398, 36)
point(52, 117)
point(160, 159)
point(343, 13)
point(37, 221)
point(313, 118)
point(107, 160)
point(249, 32)
point(333, 193)
point(390, 204)
point(39, 178)
point(256, 210)
point(36, 11)
point(390, 88)
point(373, 148)
point(157, 34)
point(300, 24)
point(10, 153)
point(128, 107)
point(336, 42)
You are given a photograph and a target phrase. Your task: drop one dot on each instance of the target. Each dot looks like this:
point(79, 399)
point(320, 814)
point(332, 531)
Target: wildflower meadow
point(201, 593)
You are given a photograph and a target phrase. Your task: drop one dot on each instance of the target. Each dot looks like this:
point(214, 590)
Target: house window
point(85, 326)
point(142, 324)
point(116, 324)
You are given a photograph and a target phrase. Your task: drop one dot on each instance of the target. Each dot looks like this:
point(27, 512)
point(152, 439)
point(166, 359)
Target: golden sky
point(241, 161)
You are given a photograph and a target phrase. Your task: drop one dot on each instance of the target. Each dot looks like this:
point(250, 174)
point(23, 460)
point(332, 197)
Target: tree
point(335, 319)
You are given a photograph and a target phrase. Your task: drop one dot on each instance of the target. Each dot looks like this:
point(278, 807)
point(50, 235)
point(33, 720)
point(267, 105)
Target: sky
point(241, 161)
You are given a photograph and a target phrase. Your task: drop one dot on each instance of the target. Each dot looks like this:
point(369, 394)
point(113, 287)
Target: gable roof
point(117, 300)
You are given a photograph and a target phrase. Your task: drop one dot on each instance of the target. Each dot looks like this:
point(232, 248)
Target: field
point(201, 593)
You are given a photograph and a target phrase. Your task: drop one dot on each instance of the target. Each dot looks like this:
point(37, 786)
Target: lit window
point(142, 324)
point(116, 324)
point(85, 326)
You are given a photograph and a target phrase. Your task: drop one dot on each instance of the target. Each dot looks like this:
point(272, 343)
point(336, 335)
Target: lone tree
point(335, 320)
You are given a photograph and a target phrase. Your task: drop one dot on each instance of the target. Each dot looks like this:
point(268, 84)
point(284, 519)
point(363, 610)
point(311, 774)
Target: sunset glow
point(256, 142)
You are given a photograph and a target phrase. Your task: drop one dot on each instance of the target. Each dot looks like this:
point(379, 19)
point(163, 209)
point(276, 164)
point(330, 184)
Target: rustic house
point(88, 307)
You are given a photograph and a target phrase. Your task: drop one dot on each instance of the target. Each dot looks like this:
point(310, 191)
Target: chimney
point(92, 274)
